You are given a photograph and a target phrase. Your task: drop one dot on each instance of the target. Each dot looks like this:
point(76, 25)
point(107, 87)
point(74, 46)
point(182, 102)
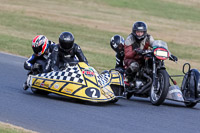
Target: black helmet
point(66, 40)
point(139, 26)
point(117, 43)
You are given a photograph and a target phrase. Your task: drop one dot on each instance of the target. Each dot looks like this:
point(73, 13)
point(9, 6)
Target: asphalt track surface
point(56, 114)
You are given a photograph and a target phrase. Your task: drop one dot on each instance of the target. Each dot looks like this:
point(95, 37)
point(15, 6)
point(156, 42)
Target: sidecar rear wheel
point(157, 97)
point(40, 92)
point(117, 89)
point(190, 104)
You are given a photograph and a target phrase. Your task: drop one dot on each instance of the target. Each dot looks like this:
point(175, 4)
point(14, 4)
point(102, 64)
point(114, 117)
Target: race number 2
point(92, 92)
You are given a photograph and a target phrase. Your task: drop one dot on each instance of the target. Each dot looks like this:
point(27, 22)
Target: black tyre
point(114, 100)
point(157, 96)
point(117, 89)
point(40, 92)
point(129, 95)
point(190, 104)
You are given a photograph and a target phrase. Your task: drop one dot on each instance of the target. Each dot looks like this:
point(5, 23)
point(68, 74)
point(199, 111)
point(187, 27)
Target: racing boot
point(127, 76)
point(128, 95)
point(25, 86)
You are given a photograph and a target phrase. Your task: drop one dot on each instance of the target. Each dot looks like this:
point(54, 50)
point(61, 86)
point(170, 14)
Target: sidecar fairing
point(179, 94)
point(189, 93)
point(78, 81)
point(175, 93)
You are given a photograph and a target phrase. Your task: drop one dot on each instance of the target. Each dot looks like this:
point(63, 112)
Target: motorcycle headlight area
point(161, 53)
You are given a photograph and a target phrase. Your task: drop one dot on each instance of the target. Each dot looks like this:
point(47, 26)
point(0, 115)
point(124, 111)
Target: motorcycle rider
point(66, 51)
point(39, 62)
point(137, 40)
point(117, 44)
point(135, 43)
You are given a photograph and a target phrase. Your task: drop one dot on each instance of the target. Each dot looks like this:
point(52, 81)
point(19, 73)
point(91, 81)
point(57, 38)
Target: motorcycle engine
point(138, 84)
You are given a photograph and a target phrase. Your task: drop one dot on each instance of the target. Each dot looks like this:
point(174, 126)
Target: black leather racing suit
point(43, 60)
point(120, 62)
point(60, 56)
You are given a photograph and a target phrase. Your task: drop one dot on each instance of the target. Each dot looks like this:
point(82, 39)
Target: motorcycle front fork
point(155, 78)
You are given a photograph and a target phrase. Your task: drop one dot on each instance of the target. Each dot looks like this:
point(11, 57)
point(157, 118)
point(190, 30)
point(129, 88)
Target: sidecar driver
point(66, 51)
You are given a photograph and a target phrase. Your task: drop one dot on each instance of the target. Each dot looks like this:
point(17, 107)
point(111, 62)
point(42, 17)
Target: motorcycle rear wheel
point(157, 97)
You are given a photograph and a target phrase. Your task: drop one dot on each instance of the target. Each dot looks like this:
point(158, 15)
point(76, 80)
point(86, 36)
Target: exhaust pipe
point(143, 89)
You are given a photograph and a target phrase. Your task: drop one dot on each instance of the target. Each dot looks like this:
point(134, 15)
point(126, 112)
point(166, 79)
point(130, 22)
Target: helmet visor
point(139, 33)
point(37, 50)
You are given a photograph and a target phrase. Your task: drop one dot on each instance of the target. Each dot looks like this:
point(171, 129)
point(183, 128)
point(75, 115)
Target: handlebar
point(143, 52)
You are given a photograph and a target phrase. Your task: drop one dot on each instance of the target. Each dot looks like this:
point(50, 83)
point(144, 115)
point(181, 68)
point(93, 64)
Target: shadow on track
point(68, 99)
point(169, 103)
point(176, 104)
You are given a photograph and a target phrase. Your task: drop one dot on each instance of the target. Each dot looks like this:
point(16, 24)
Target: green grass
point(84, 36)
point(100, 61)
point(187, 52)
point(8, 128)
point(174, 72)
point(88, 37)
point(169, 10)
point(91, 38)
point(15, 45)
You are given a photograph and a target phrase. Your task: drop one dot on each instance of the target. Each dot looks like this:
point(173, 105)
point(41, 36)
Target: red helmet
point(40, 44)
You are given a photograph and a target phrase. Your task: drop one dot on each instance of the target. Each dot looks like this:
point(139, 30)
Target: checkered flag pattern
point(71, 73)
point(103, 78)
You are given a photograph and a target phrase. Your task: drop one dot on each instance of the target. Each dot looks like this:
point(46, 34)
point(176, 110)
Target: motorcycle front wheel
point(158, 95)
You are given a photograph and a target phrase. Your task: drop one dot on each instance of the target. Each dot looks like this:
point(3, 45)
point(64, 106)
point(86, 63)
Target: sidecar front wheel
point(40, 92)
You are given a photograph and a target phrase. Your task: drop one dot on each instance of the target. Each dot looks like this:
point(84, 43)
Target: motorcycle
point(152, 80)
point(79, 81)
point(189, 92)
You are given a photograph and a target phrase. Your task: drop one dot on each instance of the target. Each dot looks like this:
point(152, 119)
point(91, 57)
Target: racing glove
point(173, 58)
point(139, 51)
point(55, 68)
point(36, 66)
point(120, 70)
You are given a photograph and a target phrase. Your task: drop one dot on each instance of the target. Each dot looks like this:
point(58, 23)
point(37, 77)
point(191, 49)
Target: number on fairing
point(93, 93)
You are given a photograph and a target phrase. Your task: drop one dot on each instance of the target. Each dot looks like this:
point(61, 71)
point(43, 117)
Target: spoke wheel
point(158, 95)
